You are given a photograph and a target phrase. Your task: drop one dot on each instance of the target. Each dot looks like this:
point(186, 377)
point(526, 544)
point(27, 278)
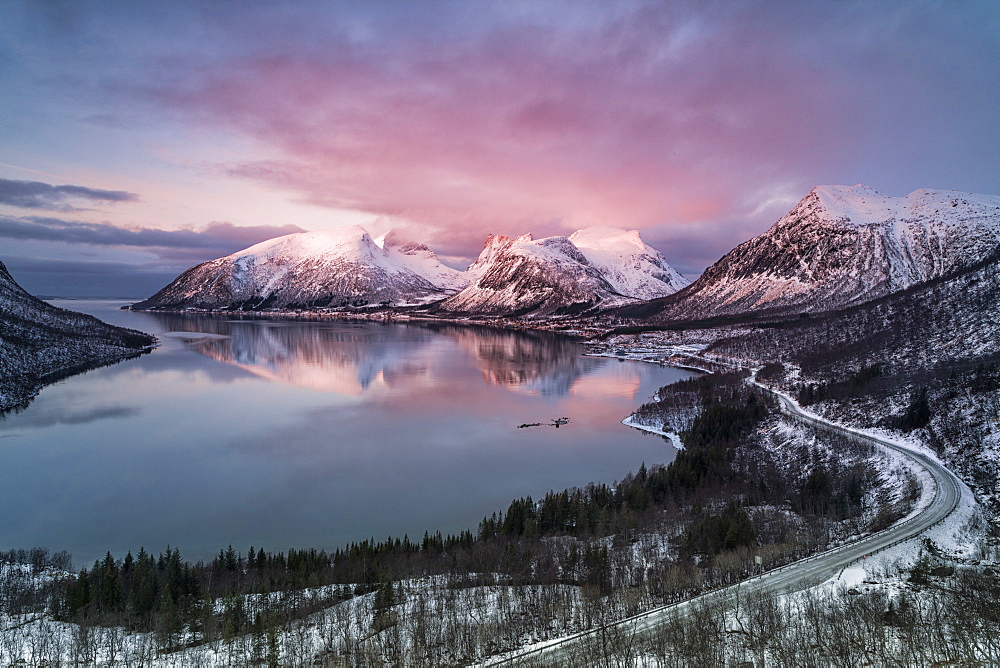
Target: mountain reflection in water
point(295, 433)
point(350, 359)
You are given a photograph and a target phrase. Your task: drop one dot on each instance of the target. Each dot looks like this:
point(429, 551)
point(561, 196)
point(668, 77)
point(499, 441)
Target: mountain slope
point(422, 261)
point(944, 321)
point(869, 365)
point(633, 268)
point(518, 276)
point(333, 268)
point(839, 246)
point(40, 343)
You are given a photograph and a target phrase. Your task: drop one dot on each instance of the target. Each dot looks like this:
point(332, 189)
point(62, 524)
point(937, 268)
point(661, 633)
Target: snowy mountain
point(333, 268)
point(594, 267)
point(627, 263)
point(422, 261)
point(865, 364)
point(39, 343)
point(840, 246)
point(517, 276)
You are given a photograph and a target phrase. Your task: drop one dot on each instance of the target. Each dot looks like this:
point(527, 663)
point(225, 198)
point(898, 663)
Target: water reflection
point(310, 434)
point(352, 358)
point(49, 415)
point(535, 362)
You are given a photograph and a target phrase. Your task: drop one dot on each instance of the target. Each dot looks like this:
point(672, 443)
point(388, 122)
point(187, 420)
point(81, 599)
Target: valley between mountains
point(879, 316)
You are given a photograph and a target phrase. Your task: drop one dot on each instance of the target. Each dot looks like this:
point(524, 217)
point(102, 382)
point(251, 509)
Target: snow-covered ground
point(440, 622)
point(637, 423)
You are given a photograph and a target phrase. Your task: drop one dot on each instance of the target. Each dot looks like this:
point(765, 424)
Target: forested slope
point(40, 343)
point(923, 362)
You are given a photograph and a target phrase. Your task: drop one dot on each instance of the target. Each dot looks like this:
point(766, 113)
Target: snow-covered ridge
point(844, 245)
point(862, 204)
point(525, 275)
point(421, 260)
point(592, 268)
point(348, 268)
point(330, 268)
point(595, 267)
point(40, 343)
point(628, 263)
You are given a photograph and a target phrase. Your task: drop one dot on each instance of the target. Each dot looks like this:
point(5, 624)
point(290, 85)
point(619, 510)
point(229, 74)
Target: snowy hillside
point(595, 267)
point(633, 268)
point(347, 268)
point(541, 277)
point(422, 261)
point(942, 337)
point(332, 268)
point(40, 343)
point(844, 245)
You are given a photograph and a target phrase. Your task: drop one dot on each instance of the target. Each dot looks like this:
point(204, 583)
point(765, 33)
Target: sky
point(138, 139)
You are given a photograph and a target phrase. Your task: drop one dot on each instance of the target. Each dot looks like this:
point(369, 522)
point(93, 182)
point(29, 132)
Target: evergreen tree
point(385, 597)
point(918, 413)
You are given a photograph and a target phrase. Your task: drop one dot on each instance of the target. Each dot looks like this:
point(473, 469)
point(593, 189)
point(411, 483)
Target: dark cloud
point(219, 236)
point(38, 195)
point(173, 251)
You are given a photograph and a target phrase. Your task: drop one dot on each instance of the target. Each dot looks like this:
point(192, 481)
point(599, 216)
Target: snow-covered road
point(793, 577)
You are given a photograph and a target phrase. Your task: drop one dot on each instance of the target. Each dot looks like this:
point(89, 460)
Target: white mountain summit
point(347, 268)
point(517, 276)
point(632, 267)
point(595, 267)
point(331, 268)
point(844, 245)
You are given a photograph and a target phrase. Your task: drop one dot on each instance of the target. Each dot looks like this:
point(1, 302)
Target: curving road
point(792, 577)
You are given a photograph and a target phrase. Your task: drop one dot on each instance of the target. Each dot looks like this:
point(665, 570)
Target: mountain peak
point(607, 237)
point(320, 242)
point(595, 267)
point(844, 245)
point(861, 204)
point(401, 242)
point(852, 203)
point(329, 268)
point(857, 190)
point(493, 247)
point(524, 275)
point(627, 262)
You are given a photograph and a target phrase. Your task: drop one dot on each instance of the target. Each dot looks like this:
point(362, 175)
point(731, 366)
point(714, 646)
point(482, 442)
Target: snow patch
point(634, 422)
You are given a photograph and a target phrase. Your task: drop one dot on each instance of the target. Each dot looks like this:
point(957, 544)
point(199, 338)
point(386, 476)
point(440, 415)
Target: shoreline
point(569, 328)
point(674, 437)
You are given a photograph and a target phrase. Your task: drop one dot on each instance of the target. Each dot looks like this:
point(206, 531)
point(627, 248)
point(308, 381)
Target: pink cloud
point(649, 120)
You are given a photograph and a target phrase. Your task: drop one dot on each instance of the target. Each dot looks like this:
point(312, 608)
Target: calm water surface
point(284, 434)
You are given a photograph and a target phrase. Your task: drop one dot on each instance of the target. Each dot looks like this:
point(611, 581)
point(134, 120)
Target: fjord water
point(279, 433)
